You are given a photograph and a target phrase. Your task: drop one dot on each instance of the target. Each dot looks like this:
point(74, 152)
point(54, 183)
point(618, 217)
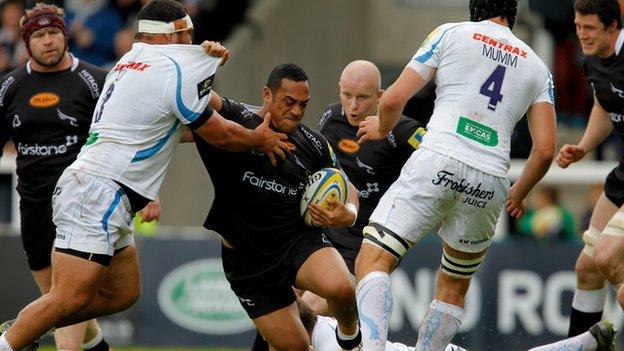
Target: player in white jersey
point(160, 85)
point(322, 330)
point(487, 79)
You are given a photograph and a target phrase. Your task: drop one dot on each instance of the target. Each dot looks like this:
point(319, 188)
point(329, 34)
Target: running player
point(48, 123)
point(149, 93)
point(267, 248)
point(487, 79)
point(599, 29)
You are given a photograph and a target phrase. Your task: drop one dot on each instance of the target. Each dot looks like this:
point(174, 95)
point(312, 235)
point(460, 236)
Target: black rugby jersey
point(606, 76)
point(256, 204)
point(372, 167)
point(48, 117)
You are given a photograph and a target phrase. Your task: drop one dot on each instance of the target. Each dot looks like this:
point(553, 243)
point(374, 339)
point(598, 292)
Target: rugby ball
point(326, 184)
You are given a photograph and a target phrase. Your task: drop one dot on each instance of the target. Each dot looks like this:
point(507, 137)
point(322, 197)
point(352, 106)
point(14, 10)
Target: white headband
point(158, 27)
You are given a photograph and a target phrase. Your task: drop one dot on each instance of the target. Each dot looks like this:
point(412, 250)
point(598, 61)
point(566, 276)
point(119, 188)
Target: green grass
point(50, 348)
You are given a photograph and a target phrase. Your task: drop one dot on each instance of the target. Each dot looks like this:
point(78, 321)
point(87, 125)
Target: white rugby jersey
point(486, 80)
point(136, 126)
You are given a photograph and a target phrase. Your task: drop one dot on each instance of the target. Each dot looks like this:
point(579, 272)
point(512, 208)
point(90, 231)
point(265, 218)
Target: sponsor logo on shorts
point(197, 297)
point(60, 236)
point(349, 146)
point(474, 194)
point(271, 185)
point(473, 242)
point(616, 118)
point(43, 100)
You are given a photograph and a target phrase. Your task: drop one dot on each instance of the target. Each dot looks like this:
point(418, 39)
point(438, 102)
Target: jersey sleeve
point(430, 52)
point(6, 85)
point(409, 134)
point(189, 91)
point(546, 88)
point(232, 110)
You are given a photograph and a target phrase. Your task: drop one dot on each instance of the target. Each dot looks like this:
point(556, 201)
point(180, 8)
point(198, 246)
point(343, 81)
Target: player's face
point(288, 104)
point(594, 36)
point(359, 99)
point(47, 46)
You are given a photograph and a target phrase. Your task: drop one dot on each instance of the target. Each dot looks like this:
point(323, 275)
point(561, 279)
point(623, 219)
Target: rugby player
point(487, 79)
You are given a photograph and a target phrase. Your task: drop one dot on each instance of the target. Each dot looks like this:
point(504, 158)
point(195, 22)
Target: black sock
point(102, 346)
point(580, 322)
point(259, 343)
point(349, 344)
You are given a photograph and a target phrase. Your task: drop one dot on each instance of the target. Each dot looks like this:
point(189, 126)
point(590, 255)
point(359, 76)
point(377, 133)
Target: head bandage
point(159, 27)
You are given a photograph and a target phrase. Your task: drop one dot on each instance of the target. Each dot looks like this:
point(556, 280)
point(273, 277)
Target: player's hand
point(337, 216)
point(569, 154)
point(150, 212)
point(270, 142)
point(215, 49)
point(369, 130)
point(516, 205)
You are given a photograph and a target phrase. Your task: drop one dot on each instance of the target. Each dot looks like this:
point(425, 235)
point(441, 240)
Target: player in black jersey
point(599, 29)
point(372, 167)
point(267, 247)
point(46, 108)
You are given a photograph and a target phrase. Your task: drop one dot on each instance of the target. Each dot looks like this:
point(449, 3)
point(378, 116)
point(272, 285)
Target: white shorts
point(434, 189)
point(91, 214)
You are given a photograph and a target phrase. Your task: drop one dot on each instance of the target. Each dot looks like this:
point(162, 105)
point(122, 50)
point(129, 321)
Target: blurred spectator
point(214, 19)
point(93, 24)
point(593, 194)
point(547, 219)
point(12, 50)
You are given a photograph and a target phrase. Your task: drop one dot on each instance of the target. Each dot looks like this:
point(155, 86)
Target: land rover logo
point(196, 296)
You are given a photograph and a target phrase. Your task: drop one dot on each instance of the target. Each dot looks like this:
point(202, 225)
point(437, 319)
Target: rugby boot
point(604, 332)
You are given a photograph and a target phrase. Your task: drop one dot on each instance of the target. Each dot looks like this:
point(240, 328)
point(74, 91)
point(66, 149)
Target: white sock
point(439, 326)
point(4, 344)
point(374, 302)
point(583, 342)
point(589, 301)
point(94, 340)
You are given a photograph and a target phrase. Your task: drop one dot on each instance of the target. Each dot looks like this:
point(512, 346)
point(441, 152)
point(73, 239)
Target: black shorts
point(614, 185)
point(38, 232)
point(264, 286)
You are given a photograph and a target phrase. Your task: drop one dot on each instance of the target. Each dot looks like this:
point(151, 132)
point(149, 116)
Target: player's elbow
point(393, 102)
point(544, 152)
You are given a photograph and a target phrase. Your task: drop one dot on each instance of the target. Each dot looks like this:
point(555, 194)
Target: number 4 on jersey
point(492, 87)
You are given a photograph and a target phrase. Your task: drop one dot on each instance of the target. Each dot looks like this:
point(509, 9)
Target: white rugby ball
point(326, 184)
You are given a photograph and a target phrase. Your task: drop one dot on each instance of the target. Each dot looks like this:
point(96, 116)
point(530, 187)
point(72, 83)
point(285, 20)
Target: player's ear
point(267, 94)
point(380, 93)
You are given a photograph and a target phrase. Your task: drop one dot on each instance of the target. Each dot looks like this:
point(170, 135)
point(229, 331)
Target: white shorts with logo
point(91, 214)
point(435, 190)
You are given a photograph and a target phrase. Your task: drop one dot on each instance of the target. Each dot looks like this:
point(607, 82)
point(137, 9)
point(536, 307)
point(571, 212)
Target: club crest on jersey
point(44, 99)
point(349, 146)
point(617, 91)
point(16, 121)
point(203, 87)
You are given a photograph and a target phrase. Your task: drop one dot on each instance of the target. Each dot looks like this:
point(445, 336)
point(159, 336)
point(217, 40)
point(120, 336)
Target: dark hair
point(162, 10)
point(484, 9)
point(607, 10)
point(308, 317)
point(286, 70)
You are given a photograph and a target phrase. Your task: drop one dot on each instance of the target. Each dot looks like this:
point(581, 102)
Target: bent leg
point(75, 282)
point(283, 329)
point(325, 274)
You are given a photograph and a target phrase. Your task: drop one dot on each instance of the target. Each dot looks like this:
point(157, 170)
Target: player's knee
point(587, 274)
point(590, 238)
point(343, 291)
point(129, 298)
point(459, 268)
point(292, 343)
point(383, 249)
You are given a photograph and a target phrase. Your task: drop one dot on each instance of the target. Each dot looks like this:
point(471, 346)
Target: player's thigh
point(417, 201)
point(43, 278)
point(123, 281)
point(325, 273)
point(75, 280)
point(603, 211)
point(283, 329)
point(470, 225)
